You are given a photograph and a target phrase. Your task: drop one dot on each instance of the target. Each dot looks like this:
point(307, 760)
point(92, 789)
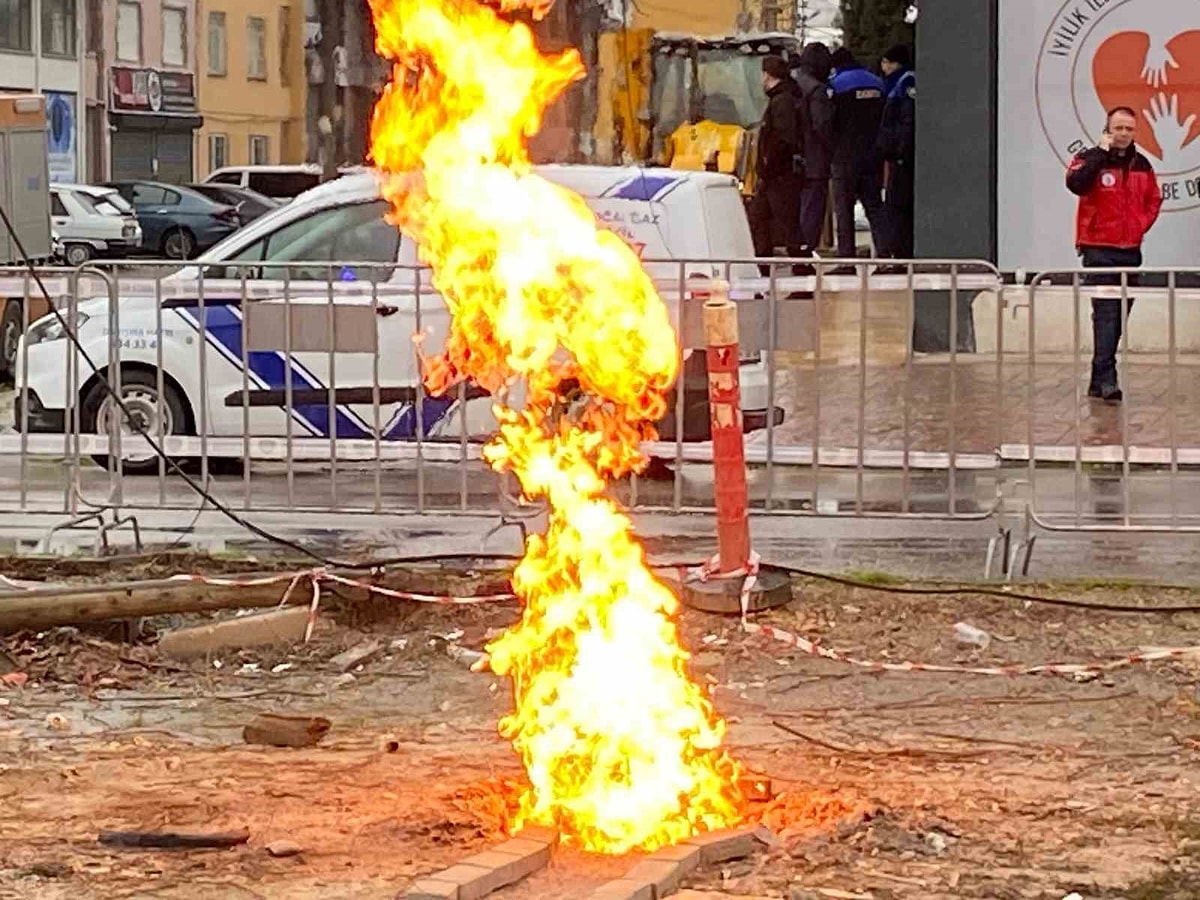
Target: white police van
point(191, 332)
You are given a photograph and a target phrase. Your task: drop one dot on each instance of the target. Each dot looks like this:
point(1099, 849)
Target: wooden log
point(286, 731)
point(174, 840)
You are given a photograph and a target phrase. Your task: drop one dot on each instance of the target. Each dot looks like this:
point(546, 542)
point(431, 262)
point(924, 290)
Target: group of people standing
point(829, 119)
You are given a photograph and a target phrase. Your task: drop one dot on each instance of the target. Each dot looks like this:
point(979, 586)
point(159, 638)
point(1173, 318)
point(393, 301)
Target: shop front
point(154, 119)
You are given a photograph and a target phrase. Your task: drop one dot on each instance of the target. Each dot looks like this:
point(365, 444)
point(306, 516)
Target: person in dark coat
point(897, 138)
point(857, 167)
point(775, 207)
point(815, 116)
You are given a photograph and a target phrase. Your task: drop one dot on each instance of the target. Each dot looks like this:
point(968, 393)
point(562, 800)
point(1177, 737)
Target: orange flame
point(622, 749)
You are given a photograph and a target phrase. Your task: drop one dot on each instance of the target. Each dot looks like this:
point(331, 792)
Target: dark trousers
point(852, 187)
point(774, 215)
point(813, 200)
point(898, 206)
point(1106, 312)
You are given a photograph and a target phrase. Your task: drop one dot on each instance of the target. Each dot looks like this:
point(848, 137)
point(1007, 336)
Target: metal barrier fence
point(871, 388)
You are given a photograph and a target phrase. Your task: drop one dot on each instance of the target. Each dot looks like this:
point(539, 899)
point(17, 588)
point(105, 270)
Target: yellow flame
point(622, 749)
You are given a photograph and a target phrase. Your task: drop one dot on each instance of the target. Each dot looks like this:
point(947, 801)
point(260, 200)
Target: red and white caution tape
point(1076, 670)
point(711, 570)
point(316, 577)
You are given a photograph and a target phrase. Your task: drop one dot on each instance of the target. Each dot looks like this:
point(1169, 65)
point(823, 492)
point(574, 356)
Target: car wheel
point(10, 336)
point(178, 244)
point(78, 254)
point(99, 414)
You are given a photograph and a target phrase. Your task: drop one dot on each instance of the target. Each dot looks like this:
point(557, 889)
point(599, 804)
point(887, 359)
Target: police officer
point(897, 133)
point(775, 208)
point(857, 168)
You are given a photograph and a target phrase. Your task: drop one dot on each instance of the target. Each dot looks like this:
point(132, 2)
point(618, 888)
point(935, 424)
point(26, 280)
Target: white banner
point(1061, 66)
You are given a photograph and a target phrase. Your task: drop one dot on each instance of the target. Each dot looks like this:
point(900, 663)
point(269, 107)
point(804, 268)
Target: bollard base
point(772, 589)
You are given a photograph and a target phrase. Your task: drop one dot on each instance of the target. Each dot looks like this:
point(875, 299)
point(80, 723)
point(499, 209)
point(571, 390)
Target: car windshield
point(111, 204)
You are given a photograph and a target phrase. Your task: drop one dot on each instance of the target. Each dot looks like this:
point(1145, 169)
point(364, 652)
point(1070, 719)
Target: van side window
point(282, 184)
point(227, 178)
point(339, 236)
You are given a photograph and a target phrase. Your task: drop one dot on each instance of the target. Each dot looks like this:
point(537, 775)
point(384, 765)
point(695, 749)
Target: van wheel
point(10, 336)
point(99, 414)
point(78, 254)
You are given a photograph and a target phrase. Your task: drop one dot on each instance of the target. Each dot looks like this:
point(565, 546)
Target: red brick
point(624, 889)
point(430, 889)
point(718, 846)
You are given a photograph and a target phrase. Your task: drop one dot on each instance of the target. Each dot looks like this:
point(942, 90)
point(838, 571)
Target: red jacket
point(1119, 197)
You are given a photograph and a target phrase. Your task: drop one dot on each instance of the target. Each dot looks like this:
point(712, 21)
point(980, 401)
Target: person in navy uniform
point(896, 144)
point(857, 167)
point(1119, 201)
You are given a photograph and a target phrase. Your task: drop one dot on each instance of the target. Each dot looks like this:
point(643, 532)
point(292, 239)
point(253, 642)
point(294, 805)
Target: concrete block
point(474, 882)
point(430, 889)
point(358, 655)
point(718, 846)
point(523, 847)
point(663, 874)
point(539, 833)
point(624, 889)
point(686, 856)
point(509, 868)
point(281, 626)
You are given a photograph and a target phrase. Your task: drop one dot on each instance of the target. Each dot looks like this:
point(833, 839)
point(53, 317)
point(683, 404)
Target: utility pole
point(329, 121)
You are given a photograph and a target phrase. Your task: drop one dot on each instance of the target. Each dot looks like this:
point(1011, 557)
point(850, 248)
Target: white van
point(350, 252)
point(280, 182)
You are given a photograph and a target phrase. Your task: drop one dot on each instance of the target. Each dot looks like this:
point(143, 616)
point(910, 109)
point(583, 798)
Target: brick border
point(660, 874)
point(484, 873)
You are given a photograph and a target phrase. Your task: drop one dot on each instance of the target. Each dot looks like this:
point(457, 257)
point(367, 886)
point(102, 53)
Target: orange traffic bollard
point(725, 411)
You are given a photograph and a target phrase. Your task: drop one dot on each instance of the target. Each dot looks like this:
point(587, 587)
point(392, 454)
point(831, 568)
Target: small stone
point(282, 849)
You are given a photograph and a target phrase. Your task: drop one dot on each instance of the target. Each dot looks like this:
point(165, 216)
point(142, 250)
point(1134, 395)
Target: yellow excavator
point(684, 101)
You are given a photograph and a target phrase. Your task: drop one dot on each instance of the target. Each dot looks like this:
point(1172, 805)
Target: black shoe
point(892, 269)
point(1110, 393)
point(842, 270)
point(1094, 392)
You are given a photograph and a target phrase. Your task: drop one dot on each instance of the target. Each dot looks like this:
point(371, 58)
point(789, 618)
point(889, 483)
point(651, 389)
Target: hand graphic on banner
point(1163, 116)
point(1158, 61)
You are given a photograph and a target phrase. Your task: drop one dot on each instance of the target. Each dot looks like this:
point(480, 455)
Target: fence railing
point(924, 389)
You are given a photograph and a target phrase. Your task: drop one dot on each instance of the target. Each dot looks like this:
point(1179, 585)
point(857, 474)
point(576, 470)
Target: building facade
point(252, 83)
point(147, 58)
point(41, 51)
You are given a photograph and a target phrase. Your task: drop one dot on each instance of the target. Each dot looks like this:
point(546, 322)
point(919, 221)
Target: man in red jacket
point(1119, 200)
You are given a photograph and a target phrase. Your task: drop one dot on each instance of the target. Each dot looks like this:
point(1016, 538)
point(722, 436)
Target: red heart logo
point(1117, 72)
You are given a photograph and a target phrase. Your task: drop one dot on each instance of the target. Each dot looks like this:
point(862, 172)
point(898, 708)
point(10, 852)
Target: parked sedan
point(249, 204)
point(92, 221)
point(177, 221)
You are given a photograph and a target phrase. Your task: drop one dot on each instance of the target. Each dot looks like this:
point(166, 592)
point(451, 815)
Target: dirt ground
point(896, 786)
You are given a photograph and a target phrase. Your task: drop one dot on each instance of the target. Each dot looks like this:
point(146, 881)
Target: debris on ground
point(286, 731)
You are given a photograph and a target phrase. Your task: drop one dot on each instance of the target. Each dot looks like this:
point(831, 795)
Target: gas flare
point(622, 749)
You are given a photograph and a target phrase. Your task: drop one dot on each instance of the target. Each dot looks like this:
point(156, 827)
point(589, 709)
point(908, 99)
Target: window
point(228, 178)
point(283, 185)
point(16, 31)
point(110, 205)
point(260, 150)
point(357, 233)
point(150, 195)
point(285, 45)
point(174, 35)
point(129, 31)
point(218, 45)
point(58, 28)
point(256, 48)
point(57, 207)
point(218, 151)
